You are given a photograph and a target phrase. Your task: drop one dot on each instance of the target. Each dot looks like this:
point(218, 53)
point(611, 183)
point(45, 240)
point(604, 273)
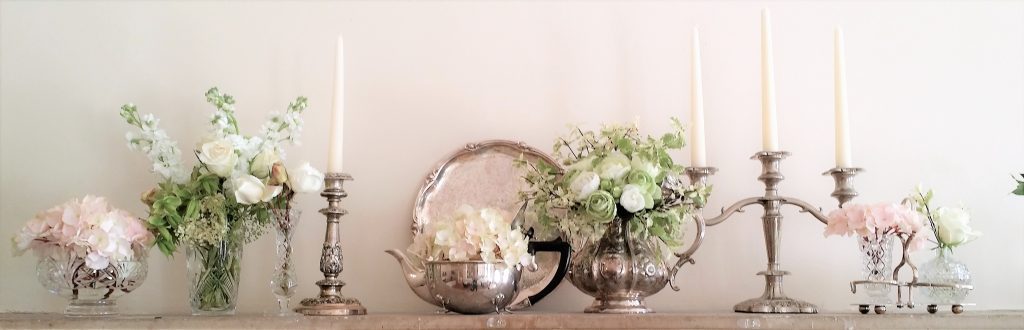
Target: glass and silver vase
point(213, 276)
point(876, 259)
point(284, 281)
point(91, 292)
point(947, 270)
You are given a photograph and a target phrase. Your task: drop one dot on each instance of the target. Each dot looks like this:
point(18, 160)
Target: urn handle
point(687, 256)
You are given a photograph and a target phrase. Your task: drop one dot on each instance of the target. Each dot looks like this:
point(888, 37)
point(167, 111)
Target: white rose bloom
point(614, 166)
point(953, 226)
point(260, 166)
point(651, 168)
point(305, 179)
point(219, 156)
point(632, 198)
point(250, 190)
point(584, 184)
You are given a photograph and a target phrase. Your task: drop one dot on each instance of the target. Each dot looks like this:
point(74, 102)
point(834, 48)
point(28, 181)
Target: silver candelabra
point(331, 301)
point(773, 300)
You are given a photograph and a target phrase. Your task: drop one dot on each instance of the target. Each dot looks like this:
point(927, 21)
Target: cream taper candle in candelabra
point(698, 152)
point(843, 153)
point(769, 123)
point(334, 153)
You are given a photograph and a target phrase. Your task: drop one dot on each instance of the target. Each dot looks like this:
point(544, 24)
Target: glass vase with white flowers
point(225, 201)
point(951, 228)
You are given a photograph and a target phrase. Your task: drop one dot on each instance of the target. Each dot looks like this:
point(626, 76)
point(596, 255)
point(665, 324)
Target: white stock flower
point(953, 226)
point(305, 179)
point(584, 184)
point(219, 157)
point(250, 190)
point(261, 164)
point(614, 166)
point(632, 198)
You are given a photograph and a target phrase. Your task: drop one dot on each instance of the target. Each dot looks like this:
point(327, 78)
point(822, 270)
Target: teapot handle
point(686, 257)
point(564, 251)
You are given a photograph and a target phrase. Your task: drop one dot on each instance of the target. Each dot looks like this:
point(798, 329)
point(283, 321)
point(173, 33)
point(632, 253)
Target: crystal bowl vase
point(619, 270)
point(472, 287)
point(946, 270)
point(91, 291)
point(213, 275)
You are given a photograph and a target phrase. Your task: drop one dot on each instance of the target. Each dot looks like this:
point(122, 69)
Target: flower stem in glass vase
point(284, 280)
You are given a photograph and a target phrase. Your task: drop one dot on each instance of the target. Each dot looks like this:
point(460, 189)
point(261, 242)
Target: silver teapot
point(465, 287)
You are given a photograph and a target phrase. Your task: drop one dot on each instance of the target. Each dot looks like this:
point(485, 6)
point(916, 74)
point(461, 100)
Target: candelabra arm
point(734, 208)
point(807, 207)
point(687, 257)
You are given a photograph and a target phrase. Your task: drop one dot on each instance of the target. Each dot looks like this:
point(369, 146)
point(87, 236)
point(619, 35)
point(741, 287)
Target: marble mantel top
point(968, 320)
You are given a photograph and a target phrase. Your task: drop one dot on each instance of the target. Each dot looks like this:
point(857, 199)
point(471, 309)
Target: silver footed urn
point(620, 269)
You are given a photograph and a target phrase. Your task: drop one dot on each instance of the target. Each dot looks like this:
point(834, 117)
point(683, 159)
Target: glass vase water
point(91, 292)
point(214, 272)
point(947, 270)
point(284, 280)
point(876, 257)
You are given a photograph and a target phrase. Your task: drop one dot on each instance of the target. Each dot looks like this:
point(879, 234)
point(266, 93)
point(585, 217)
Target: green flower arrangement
point(614, 172)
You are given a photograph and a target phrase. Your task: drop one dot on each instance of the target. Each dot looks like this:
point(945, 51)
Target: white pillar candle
point(769, 123)
point(334, 152)
point(698, 153)
point(843, 154)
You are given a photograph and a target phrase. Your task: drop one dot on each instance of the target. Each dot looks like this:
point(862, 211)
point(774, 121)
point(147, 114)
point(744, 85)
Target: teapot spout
point(415, 276)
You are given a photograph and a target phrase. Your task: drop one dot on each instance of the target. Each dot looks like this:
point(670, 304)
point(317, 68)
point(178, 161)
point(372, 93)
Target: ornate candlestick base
point(331, 301)
point(773, 300)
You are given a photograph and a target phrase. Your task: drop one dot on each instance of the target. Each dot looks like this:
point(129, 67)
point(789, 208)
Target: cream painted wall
point(936, 96)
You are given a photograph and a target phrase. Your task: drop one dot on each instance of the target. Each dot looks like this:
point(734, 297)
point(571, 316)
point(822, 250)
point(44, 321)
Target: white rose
point(613, 166)
point(261, 164)
point(953, 226)
point(584, 184)
point(305, 179)
point(651, 168)
point(219, 156)
point(250, 190)
point(632, 198)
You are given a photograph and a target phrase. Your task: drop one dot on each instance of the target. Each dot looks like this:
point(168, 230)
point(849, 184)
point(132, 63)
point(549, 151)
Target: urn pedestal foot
point(613, 305)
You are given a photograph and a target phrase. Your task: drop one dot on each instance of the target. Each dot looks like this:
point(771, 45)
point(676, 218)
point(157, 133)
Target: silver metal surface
point(472, 287)
point(774, 300)
point(483, 174)
point(620, 270)
point(330, 301)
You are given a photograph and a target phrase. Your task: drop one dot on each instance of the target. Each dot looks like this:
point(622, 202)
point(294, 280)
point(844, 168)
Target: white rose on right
point(305, 179)
point(219, 156)
point(250, 190)
point(632, 198)
point(953, 226)
point(261, 164)
point(584, 184)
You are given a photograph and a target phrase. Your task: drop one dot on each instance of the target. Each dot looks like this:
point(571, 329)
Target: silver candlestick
point(773, 300)
point(331, 301)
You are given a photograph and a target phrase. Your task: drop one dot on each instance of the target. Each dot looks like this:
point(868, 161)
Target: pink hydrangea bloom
point(877, 220)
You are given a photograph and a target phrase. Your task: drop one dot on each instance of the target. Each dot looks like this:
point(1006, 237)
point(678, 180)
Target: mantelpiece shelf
point(847, 320)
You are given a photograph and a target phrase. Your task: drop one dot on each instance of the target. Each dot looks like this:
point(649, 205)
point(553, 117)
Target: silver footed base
point(618, 306)
point(331, 306)
point(777, 305)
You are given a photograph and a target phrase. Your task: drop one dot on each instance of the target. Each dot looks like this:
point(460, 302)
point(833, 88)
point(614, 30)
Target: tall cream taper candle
point(844, 157)
point(769, 122)
point(337, 136)
point(698, 151)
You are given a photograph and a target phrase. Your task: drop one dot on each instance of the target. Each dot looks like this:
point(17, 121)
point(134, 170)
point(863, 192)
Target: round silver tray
point(485, 175)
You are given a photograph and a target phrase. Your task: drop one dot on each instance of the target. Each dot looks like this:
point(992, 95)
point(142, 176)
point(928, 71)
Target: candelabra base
point(773, 301)
point(778, 305)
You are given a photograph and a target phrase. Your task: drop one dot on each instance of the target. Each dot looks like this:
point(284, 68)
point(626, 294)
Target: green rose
point(600, 205)
point(646, 183)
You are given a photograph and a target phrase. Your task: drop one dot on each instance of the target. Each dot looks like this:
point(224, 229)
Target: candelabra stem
point(330, 301)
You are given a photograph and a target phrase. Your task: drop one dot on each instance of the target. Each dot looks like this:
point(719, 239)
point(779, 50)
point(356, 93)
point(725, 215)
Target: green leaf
point(1020, 189)
point(672, 140)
